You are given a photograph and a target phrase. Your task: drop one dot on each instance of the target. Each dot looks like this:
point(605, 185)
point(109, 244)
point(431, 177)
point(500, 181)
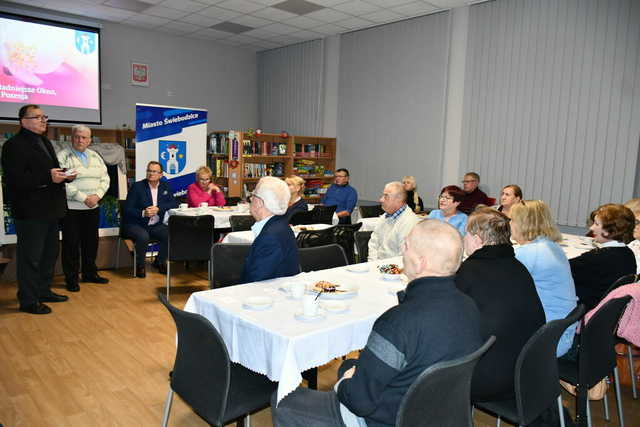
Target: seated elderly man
point(507, 298)
point(397, 221)
point(433, 322)
point(274, 252)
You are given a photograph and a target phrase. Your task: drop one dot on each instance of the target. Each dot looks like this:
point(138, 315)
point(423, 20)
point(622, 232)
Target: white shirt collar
point(612, 244)
point(257, 227)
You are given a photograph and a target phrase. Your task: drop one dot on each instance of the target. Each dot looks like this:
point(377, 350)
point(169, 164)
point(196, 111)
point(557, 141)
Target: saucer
point(391, 277)
point(258, 303)
point(335, 307)
point(301, 317)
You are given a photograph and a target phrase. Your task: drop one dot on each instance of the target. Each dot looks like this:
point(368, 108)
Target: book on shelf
point(258, 170)
point(219, 167)
point(311, 150)
point(263, 148)
point(218, 143)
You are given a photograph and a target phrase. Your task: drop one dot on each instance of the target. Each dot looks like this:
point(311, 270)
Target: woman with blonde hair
point(595, 271)
point(537, 235)
point(634, 205)
point(296, 188)
point(413, 199)
point(204, 190)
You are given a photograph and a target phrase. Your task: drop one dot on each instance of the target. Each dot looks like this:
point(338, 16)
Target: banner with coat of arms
point(176, 137)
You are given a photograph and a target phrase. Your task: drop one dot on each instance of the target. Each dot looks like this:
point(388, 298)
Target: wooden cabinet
point(253, 156)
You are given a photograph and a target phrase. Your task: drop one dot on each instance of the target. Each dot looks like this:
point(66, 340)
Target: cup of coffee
point(297, 290)
point(183, 206)
point(204, 205)
point(309, 305)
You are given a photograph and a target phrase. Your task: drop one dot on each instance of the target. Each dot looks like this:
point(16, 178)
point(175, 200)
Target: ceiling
point(250, 24)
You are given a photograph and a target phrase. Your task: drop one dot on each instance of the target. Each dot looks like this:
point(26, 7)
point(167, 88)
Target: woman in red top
point(204, 190)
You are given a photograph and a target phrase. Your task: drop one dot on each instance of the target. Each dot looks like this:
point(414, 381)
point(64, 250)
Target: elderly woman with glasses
point(204, 190)
point(450, 198)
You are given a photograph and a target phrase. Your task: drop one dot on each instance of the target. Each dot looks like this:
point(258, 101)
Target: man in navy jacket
point(147, 202)
point(274, 252)
point(433, 322)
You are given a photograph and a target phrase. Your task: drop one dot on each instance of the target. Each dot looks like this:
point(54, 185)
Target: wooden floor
point(102, 358)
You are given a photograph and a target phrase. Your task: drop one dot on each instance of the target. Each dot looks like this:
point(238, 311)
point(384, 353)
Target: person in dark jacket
point(147, 202)
point(433, 322)
point(36, 194)
point(473, 196)
point(274, 252)
point(297, 202)
point(595, 271)
point(507, 298)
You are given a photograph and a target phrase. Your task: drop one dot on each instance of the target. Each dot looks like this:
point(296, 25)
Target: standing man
point(473, 196)
point(274, 252)
point(147, 202)
point(396, 223)
point(341, 195)
point(80, 226)
point(35, 190)
point(433, 322)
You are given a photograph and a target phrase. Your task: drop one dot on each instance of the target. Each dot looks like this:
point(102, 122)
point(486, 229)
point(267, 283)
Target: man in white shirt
point(395, 224)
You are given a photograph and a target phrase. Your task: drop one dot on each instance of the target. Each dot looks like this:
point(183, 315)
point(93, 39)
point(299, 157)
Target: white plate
point(258, 303)
point(358, 268)
point(391, 277)
point(300, 316)
point(335, 307)
point(347, 293)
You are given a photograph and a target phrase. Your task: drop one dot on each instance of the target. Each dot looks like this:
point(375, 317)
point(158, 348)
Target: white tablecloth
point(247, 236)
point(275, 344)
point(574, 245)
point(221, 215)
point(369, 224)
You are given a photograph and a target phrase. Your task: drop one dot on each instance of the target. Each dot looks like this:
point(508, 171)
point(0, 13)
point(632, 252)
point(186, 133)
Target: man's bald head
point(433, 248)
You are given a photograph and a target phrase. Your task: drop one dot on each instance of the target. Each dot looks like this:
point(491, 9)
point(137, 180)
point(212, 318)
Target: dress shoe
point(72, 286)
point(140, 272)
point(36, 308)
point(53, 297)
point(95, 279)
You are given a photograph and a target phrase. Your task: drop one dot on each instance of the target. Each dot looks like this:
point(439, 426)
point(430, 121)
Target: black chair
point(313, 238)
point(596, 357)
point(190, 239)
point(362, 243)
point(218, 390)
point(301, 218)
point(241, 222)
point(536, 375)
point(128, 242)
point(227, 261)
point(344, 235)
point(627, 280)
point(440, 396)
point(370, 211)
point(322, 257)
point(232, 201)
point(321, 214)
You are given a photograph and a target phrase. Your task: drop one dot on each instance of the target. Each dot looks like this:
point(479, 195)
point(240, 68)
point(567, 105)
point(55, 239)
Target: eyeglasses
point(204, 179)
point(467, 181)
point(42, 118)
point(153, 171)
point(340, 176)
point(445, 198)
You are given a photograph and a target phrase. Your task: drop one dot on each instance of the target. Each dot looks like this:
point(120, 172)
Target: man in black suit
point(36, 193)
point(147, 202)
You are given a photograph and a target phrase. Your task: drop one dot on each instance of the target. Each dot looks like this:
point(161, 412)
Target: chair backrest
point(301, 218)
point(241, 222)
point(190, 237)
point(201, 372)
point(227, 261)
point(362, 242)
point(624, 280)
point(312, 238)
point(232, 201)
point(370, 211)
point(491, 201)
point(344, 235)
point(596, 354)
point(121, 205)
point(536, 370)
point(321, 214)
point(322, 257)
point(440, 396)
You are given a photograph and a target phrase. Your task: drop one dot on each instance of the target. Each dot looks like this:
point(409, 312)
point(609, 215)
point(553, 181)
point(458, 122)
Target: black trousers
point(37, 252)
point(80, 236)
point(141, 236)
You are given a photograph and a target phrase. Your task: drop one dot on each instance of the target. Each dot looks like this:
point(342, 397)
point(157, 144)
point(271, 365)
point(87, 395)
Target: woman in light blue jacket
point(536, 233)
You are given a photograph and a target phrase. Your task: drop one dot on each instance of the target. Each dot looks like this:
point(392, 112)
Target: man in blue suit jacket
point(274, 252)
point(144, 210)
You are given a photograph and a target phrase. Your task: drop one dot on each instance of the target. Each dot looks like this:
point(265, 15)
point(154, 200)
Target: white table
point(275, 344)
point(248, 237)
point(221, 215)
point(369, 224)
point(574, 245)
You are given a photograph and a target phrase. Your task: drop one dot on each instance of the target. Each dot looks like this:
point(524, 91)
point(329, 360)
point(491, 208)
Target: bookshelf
point(258, 155)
